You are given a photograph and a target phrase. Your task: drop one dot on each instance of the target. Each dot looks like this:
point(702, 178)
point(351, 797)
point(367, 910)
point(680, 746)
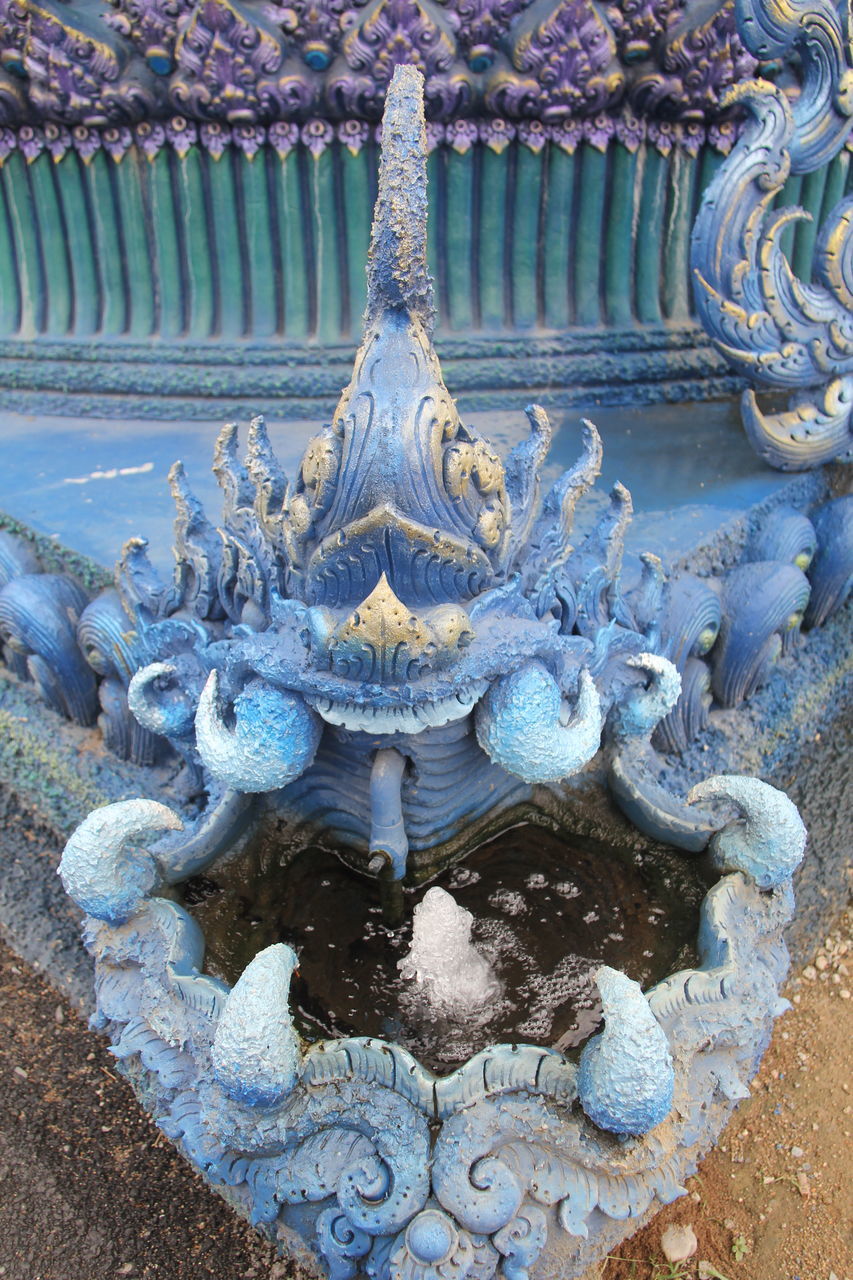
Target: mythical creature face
point(408, 583)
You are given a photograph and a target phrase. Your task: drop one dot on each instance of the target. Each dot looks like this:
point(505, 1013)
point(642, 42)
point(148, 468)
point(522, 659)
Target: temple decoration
point(781, 331)
point(242, 61)
point(405, 639)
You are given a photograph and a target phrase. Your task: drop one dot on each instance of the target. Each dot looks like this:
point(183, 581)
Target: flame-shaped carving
point(778, 330)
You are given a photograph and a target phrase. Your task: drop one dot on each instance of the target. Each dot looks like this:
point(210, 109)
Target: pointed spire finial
point(397, 274)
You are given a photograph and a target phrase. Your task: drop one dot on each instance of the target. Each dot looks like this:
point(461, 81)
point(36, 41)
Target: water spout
point(453, 975)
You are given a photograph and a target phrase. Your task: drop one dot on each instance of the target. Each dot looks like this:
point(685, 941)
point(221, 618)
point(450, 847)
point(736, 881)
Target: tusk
point(106, 867)
point(273, 741)
point(767, 841)
point(520, 726)
point(255, 1051)
point(626, 1078)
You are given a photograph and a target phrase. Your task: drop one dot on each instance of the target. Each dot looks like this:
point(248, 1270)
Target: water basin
point(548, 909)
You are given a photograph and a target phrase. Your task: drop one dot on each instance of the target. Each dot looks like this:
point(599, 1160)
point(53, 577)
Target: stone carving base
point(366, 1160)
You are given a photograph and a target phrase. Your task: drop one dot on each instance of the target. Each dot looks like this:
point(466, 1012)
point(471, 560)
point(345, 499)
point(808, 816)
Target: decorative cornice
point(101, 63)
point(180, 133)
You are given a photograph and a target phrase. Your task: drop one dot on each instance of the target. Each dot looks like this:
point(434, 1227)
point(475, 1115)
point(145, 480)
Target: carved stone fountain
point(404, 650)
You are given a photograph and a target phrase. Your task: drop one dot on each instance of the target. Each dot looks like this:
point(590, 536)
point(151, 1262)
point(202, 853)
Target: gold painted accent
point(383, 620)
point(383, 639)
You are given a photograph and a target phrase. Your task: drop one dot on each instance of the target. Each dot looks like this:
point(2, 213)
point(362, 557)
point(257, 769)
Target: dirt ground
point(774, 1200)
point(90, 1190)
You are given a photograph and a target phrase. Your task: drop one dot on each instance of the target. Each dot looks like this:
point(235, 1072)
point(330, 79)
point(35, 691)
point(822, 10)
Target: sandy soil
point(774, 1201)
point(89, 1189)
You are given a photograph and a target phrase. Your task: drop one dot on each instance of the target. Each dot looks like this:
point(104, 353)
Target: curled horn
point(649, 702)
point(626, 1078)
point(106, 866)
point(689, 716)
point(831, 571)
point(691, 621)
point(255, 1051)
point(273, 741)
point(690, 628)
point(170, 713)
point(38, 621)
point(109, 643)
point(17, 558)
point(787, 535)
point(521, 725)
point(121, 853)
point(767, 840)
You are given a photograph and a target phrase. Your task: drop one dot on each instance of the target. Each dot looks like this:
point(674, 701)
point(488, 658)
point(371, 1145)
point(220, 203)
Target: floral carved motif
point(13, 35)
point(641, 26)
point(264, 61)
point(230, 62)
point(481, 26)
point(395, 33)
point(780, 330)
point(79, 71)
point(152, 26)
point(567, 66)
point(699, 66)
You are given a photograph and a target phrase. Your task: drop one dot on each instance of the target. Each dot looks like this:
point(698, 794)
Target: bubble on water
point(573, 980)
point(510, 902)
point(461, 877)
point(536, 881)
point(566, 889)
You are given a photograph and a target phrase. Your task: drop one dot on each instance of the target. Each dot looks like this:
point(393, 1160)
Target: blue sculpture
point(408, 593)
point(778, 330)
point(331, 1142)
point(626, 1078)
point(399, 642)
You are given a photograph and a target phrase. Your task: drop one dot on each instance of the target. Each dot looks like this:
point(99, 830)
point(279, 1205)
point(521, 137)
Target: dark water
point(548, 911)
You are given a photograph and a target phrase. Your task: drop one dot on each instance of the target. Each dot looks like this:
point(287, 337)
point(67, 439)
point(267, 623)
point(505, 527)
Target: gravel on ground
point(89, 1188)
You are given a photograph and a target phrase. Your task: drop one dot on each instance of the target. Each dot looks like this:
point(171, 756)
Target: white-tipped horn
point(255, 1051)
point(273, 741)
point(626, 1077)
point(521, 724)
point(644, 708)
point(158, 703)
point(106, 866)
point(767, 840)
